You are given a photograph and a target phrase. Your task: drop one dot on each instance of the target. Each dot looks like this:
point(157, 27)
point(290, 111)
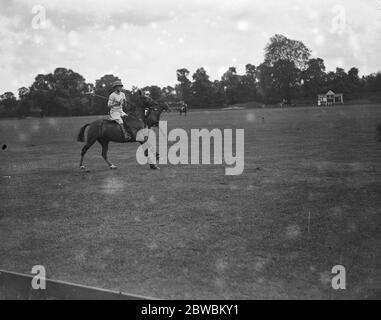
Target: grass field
point(308, 199)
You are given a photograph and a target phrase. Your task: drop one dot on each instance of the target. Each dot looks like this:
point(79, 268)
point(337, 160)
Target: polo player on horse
point(146, 115)
point(116, 101)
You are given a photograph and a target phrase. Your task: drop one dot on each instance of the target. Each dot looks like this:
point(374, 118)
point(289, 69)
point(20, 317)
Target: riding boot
point(126, 136)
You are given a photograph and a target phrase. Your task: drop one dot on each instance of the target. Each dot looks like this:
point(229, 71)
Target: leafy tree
point(59, 93)
point(285, 75)
point(23, 92)
point(69, 91)
point(372, 83)
point(43, 82)
point(265, 89)
point(249, 83)
point(354, 81)
point(9, 103)
point(314, 77)
point(25, 103)
point(240, 88)
point(286, 57)
point(69, 83)
point(202, 89)
point(232, 86)
point(183, 89)
point(338, 81)
point(219, 94)
point(282, 48)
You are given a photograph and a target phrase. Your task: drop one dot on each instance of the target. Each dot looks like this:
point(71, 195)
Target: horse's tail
point(81, 134)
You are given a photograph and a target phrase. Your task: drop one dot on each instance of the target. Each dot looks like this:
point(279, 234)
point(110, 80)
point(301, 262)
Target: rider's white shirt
point(115, 102)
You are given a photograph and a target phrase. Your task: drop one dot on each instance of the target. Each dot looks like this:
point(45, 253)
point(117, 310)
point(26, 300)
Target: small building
point(330, 98)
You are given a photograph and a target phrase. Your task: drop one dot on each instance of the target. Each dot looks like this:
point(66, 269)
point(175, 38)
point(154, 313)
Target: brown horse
point(146, 114)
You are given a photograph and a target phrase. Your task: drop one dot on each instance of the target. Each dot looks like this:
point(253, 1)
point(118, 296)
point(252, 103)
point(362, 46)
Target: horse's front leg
point(152, 164)
point(157, 155)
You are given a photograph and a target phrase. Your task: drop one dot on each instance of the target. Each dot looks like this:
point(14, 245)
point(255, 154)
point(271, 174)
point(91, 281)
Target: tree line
point(287, 73)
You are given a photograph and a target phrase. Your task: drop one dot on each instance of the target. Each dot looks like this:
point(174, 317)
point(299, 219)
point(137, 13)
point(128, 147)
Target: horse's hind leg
point(104, 145)
point(86, 147)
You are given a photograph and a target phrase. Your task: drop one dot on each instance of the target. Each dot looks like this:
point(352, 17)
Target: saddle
point(129, 130)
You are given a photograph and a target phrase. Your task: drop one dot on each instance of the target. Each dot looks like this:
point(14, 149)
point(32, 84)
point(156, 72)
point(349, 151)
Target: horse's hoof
point(154, 167)
point(112, 167)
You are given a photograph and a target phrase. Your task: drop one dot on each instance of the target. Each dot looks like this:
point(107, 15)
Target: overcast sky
point(144, 42)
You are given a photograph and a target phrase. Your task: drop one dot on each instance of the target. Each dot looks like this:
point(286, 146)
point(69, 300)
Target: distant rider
point(115, 102)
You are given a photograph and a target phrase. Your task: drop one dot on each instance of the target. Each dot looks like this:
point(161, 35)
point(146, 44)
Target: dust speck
point(250, 117)
point(221, 265)
point(293, 231)
point(112, 186)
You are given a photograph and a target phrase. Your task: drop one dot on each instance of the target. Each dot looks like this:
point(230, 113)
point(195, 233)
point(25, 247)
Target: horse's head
point(154, 112)
point(148, 109)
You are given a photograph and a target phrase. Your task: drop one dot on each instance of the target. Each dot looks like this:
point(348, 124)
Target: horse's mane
point(132, 114)
point(138, 107)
